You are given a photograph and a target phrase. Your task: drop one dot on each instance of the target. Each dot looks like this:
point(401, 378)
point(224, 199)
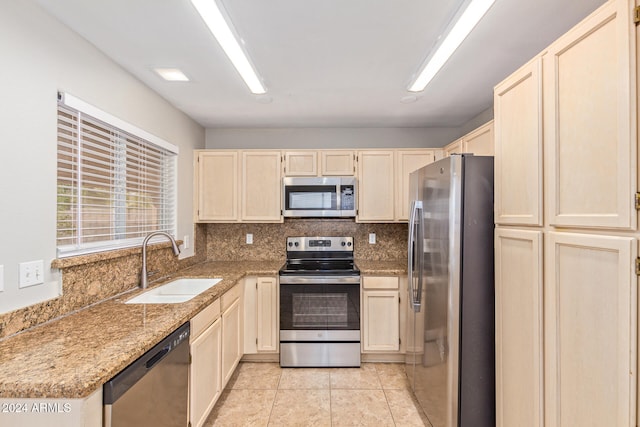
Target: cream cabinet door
point(267, 314)
point(408, 161)
point(380, 314)
point(590, 330)
point(456, 147)
point(480, 141)
point(217, 186)
point(518, 147)
point(300, 163)
point(375, 186)
point(231, 340)
point(204, 373)
point(337, 163)
point(590, 121)
point(519, 328)
point(261, 186)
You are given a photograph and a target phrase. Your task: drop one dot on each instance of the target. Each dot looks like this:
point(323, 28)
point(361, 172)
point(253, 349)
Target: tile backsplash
point(227, 242)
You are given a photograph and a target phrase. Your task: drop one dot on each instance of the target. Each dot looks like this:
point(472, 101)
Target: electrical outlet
point(1, 278)
point(31, 273)
point(372, 238)
point(249, 239)
point(185, 242)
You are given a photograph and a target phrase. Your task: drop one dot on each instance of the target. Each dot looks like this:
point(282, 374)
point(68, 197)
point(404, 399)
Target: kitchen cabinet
point(375, 186)
point(591, 318)
point(300, 163)
point(205, 383)
point(216, 186)
point(380, 314)
point(480, 141)
point(337, 163)
point(590, 121)
point(518, 147)
point(455, 147)
point(519, 328)
point(261, 186)
point(231, 332)
point(568, 119)
point(260, 315)
point(407, 161)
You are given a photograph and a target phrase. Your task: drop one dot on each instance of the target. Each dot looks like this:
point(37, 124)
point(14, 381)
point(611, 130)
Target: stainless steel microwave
point(319, 196)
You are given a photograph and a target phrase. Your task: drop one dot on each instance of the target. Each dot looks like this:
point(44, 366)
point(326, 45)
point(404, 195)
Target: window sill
point(106, 255)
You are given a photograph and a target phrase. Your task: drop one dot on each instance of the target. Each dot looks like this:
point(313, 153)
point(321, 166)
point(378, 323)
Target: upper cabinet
point(480, 141)
point(517, 105)
point(337, 163)
point(408, 161)
point(300, 163)
point(590, 121)
point(375, 186)
point(216, 202)
point(456, 147)
point(319, 163)
point(261, 187)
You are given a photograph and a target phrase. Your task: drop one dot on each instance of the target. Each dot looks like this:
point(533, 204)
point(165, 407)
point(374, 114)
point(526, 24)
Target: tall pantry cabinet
point(566, 229)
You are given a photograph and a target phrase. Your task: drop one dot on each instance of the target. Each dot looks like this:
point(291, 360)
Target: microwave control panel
point(347, 199)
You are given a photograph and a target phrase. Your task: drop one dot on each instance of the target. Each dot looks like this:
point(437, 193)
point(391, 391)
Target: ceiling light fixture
point(171, 74)
point(461, 29)
point(220, 26)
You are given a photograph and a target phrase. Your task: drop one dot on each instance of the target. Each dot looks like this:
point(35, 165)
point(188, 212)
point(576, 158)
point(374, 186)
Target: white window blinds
point(114, 187)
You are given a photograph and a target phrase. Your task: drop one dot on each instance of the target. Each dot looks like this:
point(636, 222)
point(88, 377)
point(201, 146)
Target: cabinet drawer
point(206, 317)
point(390, 282)
point(230, 296)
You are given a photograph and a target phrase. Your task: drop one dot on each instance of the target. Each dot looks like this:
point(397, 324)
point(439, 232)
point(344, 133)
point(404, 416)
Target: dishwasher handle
point(129, 376)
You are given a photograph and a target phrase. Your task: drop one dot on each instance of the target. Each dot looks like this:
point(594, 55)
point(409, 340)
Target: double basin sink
point(176, 291)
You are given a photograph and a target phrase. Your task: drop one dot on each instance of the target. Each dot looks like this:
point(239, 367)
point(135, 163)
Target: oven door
point(319, 324)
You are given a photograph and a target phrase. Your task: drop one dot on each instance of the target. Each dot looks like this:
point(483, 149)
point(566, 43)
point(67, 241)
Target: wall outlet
point(1, 278)
point(372, 238)
point(249, 239)
point(31, 273)
point(185, 242)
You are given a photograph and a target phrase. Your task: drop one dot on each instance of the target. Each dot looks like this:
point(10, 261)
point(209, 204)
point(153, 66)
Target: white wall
point(298, 138)
point(39, 57)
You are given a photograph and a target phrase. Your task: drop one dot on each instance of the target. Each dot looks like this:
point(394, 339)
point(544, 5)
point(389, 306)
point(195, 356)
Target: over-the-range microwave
point(319, 197)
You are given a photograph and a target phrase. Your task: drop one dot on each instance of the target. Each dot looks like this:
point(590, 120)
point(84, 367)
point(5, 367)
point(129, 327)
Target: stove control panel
point(319, 243)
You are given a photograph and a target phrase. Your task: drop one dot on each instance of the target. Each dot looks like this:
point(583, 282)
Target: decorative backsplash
point(227, 242)
point(90, 279)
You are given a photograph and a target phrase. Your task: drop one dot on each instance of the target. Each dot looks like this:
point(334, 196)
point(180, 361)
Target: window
point(116, 183)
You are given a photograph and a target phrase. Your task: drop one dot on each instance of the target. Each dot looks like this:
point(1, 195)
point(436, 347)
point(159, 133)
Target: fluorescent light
point(467, 22)
point(172, 74)
point(222, 30)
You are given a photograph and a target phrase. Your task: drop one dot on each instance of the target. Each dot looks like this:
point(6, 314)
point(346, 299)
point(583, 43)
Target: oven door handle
point(315, 280)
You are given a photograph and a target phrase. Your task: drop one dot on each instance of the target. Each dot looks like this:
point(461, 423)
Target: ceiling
point(325, 63)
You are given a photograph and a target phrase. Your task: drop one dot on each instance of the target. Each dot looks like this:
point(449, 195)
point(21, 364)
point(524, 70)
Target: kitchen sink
point(176, 291)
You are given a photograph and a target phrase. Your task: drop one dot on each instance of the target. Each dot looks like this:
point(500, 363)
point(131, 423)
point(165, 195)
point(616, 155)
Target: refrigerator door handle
point(420, 252)
point(413, 249)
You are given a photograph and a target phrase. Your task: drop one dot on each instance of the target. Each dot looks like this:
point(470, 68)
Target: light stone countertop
point(75, 355)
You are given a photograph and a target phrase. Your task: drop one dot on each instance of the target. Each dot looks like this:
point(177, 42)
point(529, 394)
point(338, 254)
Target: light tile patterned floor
point(263, 394)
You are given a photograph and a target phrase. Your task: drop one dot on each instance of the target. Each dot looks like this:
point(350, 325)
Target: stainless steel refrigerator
point(451, 350)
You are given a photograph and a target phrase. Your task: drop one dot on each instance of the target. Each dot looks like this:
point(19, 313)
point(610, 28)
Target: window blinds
point(113, 187)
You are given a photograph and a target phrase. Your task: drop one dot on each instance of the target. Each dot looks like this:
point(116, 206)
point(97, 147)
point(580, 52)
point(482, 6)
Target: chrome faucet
point(144, 281)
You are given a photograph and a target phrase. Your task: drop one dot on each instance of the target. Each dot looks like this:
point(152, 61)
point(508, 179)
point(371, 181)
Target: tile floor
point(263, 394)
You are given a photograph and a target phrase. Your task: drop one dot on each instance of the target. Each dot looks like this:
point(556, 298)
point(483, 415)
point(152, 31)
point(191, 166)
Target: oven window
point(319, 307)
point(320, 197)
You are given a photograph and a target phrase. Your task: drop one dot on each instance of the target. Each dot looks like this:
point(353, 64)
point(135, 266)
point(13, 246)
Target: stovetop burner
point(319, 256)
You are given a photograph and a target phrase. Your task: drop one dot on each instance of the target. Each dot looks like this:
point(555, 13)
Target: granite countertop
point(75, 355)
point(382, 268)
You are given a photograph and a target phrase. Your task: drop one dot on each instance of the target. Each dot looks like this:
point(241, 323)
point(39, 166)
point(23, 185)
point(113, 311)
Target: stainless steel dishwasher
point(153, 390)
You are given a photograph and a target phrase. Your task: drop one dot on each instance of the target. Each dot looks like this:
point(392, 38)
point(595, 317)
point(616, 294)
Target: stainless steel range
point(319, 303)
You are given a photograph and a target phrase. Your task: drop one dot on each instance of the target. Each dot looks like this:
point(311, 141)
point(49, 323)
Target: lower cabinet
point(380, 314)
point(260, 315)
point(231, 332)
